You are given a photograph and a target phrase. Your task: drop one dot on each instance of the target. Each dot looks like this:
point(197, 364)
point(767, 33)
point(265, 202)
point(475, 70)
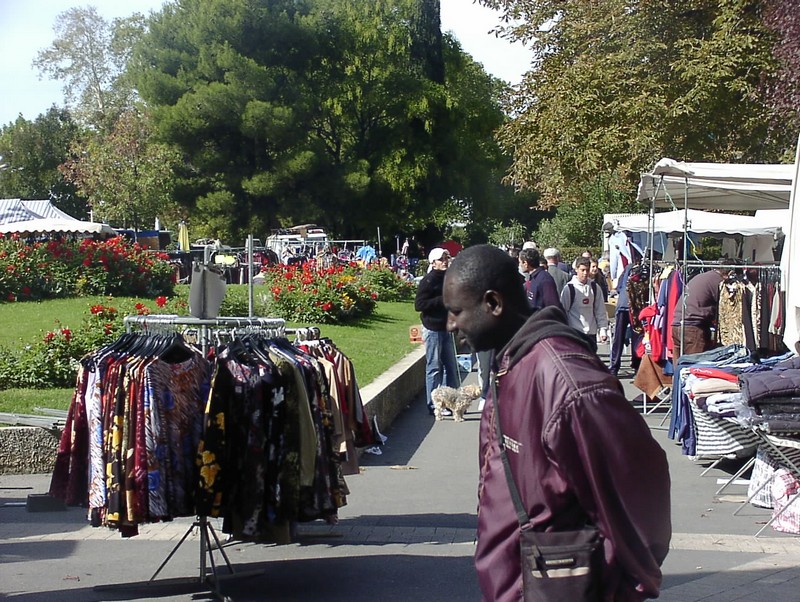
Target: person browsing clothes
point(440, 352)
point(578, 451)
point(700, 316)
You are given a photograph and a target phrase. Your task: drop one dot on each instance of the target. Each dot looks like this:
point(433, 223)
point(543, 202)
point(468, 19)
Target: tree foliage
point(618, 84)
point(126, 175)
point(783, 89)
point(345, 114)
point(32, 152)
point(580, 224)
point(89, 56)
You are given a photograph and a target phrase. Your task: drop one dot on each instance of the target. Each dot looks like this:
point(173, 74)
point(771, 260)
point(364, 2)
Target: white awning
point(702, 222)
point(48, 225)
point(721, 186)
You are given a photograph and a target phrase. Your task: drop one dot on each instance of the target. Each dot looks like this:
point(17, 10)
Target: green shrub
point(52, 359)
point(316, 295)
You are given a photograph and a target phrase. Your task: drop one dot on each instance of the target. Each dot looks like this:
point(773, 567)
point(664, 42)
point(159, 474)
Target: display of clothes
point(256, 431)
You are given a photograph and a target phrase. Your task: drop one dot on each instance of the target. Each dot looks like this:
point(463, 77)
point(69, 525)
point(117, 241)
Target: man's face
point(471, 317)
point(582, 273)
point(524, 267)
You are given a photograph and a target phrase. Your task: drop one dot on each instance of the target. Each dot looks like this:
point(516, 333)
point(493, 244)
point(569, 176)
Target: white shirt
point(587, 311)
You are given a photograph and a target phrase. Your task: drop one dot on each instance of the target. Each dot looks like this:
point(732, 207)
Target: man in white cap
point(440, 350)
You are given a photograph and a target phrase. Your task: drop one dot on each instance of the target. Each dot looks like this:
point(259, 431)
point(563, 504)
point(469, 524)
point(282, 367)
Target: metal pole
point(250, 297)
point(380, 253)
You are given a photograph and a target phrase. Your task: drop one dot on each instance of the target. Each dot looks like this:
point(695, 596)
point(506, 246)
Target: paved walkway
point(406, 534)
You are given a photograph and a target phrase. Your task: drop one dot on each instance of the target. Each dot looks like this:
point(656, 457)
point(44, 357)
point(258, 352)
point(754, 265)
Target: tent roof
point(48, 225)
point(46, 209)
point(726, 186)
point(12, 210)
point(702, 222)
point(17, 210)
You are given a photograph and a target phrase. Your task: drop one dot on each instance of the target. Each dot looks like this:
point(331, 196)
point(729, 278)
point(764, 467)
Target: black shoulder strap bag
point(556, 566)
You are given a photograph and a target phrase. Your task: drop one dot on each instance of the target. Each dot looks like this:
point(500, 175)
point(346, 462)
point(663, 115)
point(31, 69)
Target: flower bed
point(317, 295)
point(60, 268)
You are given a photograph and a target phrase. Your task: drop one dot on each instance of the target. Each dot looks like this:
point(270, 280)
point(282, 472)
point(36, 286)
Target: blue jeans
point(440, 361)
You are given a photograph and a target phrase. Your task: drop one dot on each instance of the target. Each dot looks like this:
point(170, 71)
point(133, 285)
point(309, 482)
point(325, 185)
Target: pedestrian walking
point(440, 352)
point(559, 433)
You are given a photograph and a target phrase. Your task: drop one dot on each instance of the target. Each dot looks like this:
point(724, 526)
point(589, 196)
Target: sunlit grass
point(373, 344)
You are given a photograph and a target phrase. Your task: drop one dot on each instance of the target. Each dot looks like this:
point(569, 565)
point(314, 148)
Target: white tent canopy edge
point(723, 186)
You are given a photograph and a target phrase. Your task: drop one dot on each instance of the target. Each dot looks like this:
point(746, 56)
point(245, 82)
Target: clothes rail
point(205, 326)
point(734, 266)
point(227, 322)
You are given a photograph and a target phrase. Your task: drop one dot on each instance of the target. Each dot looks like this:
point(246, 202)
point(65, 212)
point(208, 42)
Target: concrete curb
point(390, 393)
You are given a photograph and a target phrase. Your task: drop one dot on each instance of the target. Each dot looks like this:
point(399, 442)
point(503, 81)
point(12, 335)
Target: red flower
point(26, 290)
point(67, 334)
point(374, 296)
point(87, 262)
point(161, 301)
point(108, 327)
point(11, 297)
point(49, 337)
point(96, 309)
point(327, 306)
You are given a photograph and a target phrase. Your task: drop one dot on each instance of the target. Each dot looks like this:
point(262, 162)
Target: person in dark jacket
point(440, 351)
point(702, 305)
point(577, 449)
point(539, 284)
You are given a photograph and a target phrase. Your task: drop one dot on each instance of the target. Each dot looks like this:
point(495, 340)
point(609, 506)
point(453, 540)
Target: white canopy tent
point(701, 222)
point(42, 217)
point(737, 187)
point(722, 186)
point(51, 225)
point(46, 209)
point(744, 237)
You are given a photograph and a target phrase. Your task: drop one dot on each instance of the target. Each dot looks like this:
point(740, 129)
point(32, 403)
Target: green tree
point(126, 175)
point(32, 152)
point(783, 90)
point(327, 111)
point(580, 224)
point(616, 85)
point(89, 56)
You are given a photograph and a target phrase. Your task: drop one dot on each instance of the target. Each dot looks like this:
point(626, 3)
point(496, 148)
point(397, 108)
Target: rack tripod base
point(206, 581)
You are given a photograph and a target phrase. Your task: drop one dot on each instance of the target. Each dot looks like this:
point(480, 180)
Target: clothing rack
point(209, 541)
point(159, 322)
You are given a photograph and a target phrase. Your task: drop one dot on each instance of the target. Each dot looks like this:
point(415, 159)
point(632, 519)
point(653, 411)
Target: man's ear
point(494, 302)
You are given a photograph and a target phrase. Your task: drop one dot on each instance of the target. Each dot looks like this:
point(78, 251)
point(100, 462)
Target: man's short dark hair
point(583, 261)
point(530, 256)
point(483, 267)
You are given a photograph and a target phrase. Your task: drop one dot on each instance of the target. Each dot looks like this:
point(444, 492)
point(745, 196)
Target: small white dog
point(456, 400)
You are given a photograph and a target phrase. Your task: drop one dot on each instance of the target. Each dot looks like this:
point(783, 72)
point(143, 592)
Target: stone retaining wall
point(27, 450)
point(32, 450)
point(392, 391)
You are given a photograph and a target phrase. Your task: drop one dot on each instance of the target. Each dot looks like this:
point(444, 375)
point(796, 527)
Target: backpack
point(572, 294)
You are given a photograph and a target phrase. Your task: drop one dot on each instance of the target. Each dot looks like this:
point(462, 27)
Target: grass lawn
point(373, 344)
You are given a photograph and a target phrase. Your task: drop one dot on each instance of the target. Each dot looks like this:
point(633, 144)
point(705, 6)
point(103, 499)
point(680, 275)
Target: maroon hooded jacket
point(580, 453)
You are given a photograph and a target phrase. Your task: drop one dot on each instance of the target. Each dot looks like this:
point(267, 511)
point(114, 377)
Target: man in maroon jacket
point(578, 451)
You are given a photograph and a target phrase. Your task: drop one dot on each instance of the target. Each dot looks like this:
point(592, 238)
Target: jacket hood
point(548, 322)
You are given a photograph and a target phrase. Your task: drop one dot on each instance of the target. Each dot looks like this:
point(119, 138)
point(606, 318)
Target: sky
point(28, 28)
